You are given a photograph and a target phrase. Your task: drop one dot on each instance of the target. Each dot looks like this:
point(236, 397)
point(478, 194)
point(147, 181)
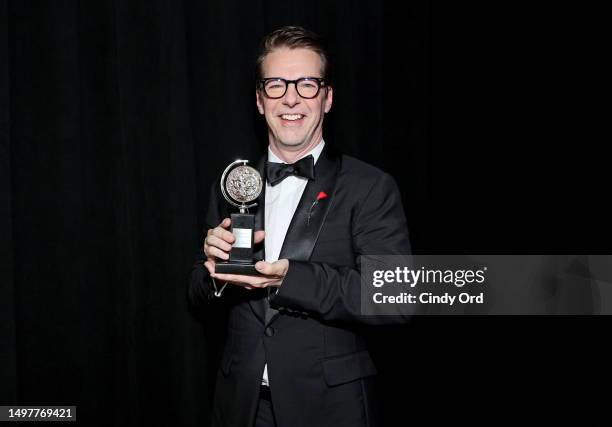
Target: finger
point(241, 279)
point(266, 268)
point(259, 236)
point(219, 243)
point(216, 252)
point(223, 234)
point(225, 223)
point(210, 266)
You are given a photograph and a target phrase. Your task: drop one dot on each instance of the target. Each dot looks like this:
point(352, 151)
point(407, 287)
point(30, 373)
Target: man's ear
point(329, 98)
point(259, 102)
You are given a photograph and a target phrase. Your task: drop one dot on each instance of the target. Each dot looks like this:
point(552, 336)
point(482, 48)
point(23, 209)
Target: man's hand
point(273, 274)
point(219, 241)
point(217, 245)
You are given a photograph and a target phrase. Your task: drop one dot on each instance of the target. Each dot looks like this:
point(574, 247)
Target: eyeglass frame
point(320, 83)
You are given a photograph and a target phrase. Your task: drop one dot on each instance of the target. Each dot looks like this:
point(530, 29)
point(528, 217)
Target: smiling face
point(295, 124)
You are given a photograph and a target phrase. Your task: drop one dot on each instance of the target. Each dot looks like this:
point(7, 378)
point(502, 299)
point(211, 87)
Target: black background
point(115, 117)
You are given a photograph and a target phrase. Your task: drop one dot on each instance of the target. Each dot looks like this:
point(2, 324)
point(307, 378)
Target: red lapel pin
point(322, 195)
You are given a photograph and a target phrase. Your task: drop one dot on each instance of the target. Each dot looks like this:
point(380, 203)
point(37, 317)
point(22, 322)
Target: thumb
point(259, 236)
point(264, 268)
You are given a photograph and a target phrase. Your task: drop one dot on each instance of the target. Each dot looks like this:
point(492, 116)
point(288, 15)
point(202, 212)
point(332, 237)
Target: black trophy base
point(226, 267)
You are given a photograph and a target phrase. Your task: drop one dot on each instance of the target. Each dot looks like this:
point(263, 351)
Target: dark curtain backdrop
point(116, 116)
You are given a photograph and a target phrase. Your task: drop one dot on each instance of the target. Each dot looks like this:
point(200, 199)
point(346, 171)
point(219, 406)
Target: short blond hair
point(293, 37)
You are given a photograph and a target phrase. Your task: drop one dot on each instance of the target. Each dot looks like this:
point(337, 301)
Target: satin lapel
point(259, 304)
point(303, 233)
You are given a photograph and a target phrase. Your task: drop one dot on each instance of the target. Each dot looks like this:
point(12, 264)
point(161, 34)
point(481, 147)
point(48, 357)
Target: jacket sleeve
point(200, 289)
point(333, 293)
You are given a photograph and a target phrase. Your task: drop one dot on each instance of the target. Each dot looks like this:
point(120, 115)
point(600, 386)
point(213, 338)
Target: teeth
point(291, 116)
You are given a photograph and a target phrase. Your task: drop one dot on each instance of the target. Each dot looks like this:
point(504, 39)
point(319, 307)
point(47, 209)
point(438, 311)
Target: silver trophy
point(241, 185)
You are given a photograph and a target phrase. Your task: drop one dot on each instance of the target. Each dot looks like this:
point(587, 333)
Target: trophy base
point(226, 267)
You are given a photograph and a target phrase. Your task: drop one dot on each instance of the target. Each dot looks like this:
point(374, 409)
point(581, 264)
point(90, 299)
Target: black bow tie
point(276, 172)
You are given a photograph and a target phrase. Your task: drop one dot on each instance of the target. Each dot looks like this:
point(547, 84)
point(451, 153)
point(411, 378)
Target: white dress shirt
point(281, 202)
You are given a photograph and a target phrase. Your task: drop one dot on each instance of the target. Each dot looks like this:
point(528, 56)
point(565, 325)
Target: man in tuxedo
point(295, 354)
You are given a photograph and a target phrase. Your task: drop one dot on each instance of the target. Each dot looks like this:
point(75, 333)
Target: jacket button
point(269, 331)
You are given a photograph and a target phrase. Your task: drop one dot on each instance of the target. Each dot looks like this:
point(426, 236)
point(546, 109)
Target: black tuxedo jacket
point(310, 331)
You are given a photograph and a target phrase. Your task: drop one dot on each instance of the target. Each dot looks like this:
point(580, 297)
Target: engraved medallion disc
point(243, 184)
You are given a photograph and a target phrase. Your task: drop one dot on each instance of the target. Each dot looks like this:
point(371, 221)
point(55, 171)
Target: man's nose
point(291, 96)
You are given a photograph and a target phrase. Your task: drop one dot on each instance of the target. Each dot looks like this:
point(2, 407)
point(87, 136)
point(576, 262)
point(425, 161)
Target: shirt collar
point(316, 152)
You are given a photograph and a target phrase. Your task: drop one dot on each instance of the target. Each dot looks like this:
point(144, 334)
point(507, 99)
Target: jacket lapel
point(303, 232)
point(308, 219)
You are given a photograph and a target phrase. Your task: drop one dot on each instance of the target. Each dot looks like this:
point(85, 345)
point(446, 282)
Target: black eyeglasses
point(306, 87)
